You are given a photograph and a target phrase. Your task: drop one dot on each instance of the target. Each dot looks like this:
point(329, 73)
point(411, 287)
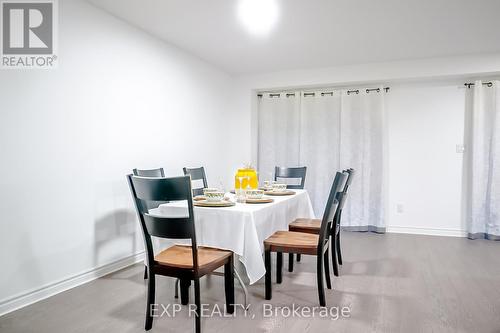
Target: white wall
point(425, 109)
point(119, 99)
point(425, 123)
point(437, 69)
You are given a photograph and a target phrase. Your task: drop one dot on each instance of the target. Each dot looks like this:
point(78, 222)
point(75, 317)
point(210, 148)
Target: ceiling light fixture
point(258, 16)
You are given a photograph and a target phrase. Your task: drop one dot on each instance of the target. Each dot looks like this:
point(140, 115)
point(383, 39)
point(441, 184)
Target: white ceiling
point(319, 33)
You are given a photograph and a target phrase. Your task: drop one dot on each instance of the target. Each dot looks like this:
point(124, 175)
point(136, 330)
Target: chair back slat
point(162, 189)
point(197, 174)
point(173, 228)
point(297, 173)
point(331, 208)
point(149, 172)
point(154, 173)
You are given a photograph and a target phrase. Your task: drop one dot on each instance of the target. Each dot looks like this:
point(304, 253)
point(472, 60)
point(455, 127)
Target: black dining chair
point(197, 174)
point(159, 172)
point(306, 243)
point(149, 172)
point(313, 226)
point(186, 263)
point(291, 173)
point(351, 173)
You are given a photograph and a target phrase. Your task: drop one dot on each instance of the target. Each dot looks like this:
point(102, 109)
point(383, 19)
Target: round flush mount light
point(258, 16)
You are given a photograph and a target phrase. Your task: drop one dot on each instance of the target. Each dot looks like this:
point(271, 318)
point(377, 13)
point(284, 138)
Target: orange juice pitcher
point(246, 177)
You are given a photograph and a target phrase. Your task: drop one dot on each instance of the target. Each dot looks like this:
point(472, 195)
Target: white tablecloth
point(244, 227)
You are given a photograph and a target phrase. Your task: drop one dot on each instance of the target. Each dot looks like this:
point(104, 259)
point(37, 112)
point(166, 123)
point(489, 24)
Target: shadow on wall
point(118, 227)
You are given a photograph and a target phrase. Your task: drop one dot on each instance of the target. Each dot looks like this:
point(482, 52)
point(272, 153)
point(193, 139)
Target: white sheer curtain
point(329, 131)
point(279, 132)
point(319, 144)
point(482, 160)
point(363, 148)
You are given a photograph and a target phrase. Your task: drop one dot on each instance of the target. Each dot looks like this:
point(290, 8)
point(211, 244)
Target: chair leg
point(198, 305)
point(319, 275)
point(279, 267)
point(333, 255)
point(267, 260)
point(145, 272)
point(185, 291)
point(150, 301)
point(290, 262)
point(229, 284)
point(176, 292)
point(298, 257)
point(339, 252)
point(334, 261)
point(326, 259)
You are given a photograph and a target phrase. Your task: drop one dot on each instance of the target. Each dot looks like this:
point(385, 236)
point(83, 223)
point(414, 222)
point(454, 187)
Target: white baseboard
point(427, 231)
point(21, 300)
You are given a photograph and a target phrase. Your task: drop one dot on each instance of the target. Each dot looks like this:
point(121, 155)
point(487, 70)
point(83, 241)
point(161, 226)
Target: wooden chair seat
point(179, 256)
point(292, 242)
point(310, 226)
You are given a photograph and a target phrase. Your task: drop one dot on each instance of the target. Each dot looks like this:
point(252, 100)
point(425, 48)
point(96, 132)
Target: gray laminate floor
point(389, 283)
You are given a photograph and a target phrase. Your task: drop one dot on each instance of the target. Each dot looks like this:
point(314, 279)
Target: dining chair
point(188, 263)
point(290, 173)
point(297, 173)
point(306, 243)
point(197, 174)
point(351, 173)
point(148, 173)
point(314, 225)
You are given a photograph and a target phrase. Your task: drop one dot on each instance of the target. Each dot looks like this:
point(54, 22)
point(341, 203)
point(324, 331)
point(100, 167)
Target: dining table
point(243, 227)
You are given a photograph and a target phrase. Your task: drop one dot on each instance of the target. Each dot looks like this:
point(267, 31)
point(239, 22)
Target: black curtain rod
point(488, 84)
point(329, 93)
